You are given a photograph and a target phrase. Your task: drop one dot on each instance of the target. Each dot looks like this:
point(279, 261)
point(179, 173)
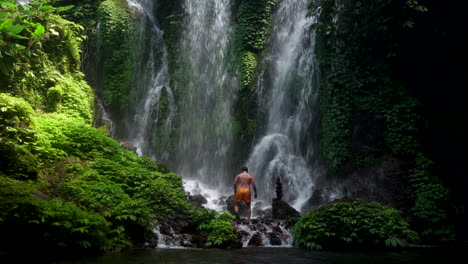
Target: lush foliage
point(217, 224)
point(114, 45)
point(353, 224)
point(64, 184)
point(49, 224)
point(253, 21)
point(431, 196)
point(357, 61)
point(40, 51)
point(358, 45)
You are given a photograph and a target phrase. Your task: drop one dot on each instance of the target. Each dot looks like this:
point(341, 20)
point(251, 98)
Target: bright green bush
point(42, 49)
point(50, 224)
point(353, 224)
point(16, 117)
point(218, 225)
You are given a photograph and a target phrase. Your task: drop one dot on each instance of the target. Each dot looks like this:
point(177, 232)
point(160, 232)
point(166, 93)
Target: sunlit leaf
point(20, 47)
point(64, 8)
point(39, 30)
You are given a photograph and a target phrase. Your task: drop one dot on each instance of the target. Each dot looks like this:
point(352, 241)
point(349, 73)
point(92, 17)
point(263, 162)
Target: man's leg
point(248, 210)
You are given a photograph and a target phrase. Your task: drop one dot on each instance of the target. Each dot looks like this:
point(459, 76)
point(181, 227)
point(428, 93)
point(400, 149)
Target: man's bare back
point(243, 180)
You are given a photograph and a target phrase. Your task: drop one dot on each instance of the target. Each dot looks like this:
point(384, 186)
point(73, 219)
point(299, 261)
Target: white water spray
point(205, 130)
point(286, 149)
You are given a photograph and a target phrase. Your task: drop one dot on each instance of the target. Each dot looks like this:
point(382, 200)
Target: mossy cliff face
point(253, 24)
point(368, 110)
point(114, 45)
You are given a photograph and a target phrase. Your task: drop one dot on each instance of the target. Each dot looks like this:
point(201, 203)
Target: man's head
point(245, 169)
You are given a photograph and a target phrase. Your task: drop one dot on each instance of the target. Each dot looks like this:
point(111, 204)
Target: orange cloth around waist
point(243, 195)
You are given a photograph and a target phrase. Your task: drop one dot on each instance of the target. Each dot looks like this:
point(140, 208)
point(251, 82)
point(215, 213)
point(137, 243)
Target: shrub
point(353, 224)
point(47, 224)
point(217, 224)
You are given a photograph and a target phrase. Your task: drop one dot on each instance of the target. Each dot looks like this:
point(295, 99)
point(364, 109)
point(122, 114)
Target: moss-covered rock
point(17, 162)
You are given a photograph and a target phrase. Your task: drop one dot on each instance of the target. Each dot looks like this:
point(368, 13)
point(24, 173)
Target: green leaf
point(16, 29)
point(20, 47)
point(6, 23)
point(47, 9)
point(39, 30)
point(16, 36)
point(64, 8)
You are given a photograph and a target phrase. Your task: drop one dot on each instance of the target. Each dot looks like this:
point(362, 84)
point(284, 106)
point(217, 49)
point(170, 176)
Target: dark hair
point(245, 169)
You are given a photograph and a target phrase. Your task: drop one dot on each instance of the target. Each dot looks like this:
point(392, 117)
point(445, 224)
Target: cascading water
point(285, 149)
point(151, 106)
point(208, 90)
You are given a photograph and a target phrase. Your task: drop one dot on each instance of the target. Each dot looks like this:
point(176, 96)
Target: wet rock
point(222, 201)
point(127, 145)
point(282, 210)
point(230, 204)
point(259, 210)
point(277, 229)
point(256, 240)
point(197, 200)
point(274, 239)
point(165, 229)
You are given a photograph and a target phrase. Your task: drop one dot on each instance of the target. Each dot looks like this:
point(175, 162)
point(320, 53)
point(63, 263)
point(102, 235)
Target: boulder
point(256, 240)
point(283, 211)
point(127, 145)
point(197, 200)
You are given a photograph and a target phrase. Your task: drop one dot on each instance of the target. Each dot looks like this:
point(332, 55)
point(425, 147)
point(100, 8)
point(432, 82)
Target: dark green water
point(269, 256)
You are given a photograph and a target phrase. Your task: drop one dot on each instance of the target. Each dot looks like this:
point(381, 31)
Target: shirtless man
point(242, 190)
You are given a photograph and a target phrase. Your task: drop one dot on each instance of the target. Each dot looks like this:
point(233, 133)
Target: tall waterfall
point(151, 98)
point(288, 90)
point(209, 88)
point(190, 116)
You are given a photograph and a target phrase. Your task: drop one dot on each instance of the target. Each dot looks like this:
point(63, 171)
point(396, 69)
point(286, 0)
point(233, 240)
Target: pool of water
point(271, 256)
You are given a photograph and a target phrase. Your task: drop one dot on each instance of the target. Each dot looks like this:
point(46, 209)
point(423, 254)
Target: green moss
point(248, 70)
point(17, 162)
point(253, 20)
point(357, 78)
point(117, 42)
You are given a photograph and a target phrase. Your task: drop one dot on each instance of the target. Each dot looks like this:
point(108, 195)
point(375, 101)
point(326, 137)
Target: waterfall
point(186, 122)
point(208, 88)
point(287, 88)
point(151, 106)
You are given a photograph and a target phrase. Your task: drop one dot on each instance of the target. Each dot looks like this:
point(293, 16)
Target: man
point(242, 184)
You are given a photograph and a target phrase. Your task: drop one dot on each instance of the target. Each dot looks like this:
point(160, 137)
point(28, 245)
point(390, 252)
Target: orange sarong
point(243, 195)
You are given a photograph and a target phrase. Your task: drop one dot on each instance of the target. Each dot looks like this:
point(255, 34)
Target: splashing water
point(286, 149)
point(205, 130)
